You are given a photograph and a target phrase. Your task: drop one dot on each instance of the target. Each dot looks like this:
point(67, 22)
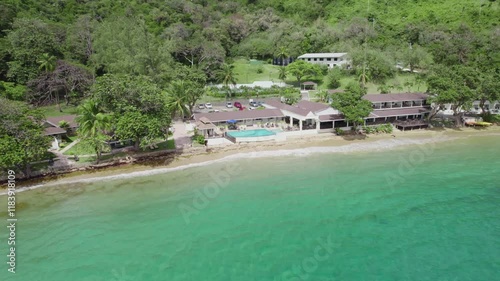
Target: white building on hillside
point(329, 59)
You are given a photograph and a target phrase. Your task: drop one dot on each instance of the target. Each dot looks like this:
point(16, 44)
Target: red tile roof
point(312, 106)
point(309, 83)
point(68, 118)
point(331, 117)
point(50, 131)
point(395, 97)
point(400, 112)
point(240, 115)
point(284, 106)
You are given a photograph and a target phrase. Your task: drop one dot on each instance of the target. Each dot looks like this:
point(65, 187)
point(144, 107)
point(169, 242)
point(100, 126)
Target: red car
point(237, 104)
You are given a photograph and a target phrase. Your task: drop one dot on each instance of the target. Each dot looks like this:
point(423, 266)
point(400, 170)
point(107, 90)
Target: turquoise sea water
point(417, 212)
point(251, 133)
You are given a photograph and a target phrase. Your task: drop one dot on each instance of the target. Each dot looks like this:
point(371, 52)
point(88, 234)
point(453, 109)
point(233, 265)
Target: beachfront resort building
point(329, 59)
point(405, 111)
point(491, 106)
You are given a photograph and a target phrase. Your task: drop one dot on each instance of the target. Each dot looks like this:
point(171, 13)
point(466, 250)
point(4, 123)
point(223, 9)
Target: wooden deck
point(411, 124)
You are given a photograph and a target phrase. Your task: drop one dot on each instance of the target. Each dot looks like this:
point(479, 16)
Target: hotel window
point(309, 59)
point(329, 59)
point(321, 59)
point(315, 59)
point(335, 59)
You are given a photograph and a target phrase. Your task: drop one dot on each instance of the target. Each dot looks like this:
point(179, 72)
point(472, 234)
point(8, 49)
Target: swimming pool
point(251, 133)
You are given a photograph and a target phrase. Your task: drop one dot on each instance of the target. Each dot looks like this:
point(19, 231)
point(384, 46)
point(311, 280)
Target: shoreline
point(327, 143)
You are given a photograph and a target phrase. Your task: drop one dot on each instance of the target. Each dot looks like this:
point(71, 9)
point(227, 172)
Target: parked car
point(201, 106)
point(237, 104)
point(253, 104)
point(229, 104)
point(259, 103)
point(208, 105)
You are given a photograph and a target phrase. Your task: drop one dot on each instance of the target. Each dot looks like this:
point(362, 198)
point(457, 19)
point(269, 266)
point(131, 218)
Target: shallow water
point(427, 211)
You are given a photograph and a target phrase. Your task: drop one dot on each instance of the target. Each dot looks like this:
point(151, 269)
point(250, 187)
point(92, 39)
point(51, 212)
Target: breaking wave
point(379, 145)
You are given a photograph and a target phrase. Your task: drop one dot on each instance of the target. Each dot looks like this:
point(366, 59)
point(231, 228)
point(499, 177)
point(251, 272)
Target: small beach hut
point(206, 127)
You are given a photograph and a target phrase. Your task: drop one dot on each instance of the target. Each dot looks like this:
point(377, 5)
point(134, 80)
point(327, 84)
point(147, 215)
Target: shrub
point(384, 128)
point(12, 91)
point(369, 130)
point(260, 69)
point(333, 78)
point(492, 118)
point(63, 124)
point(200, 139)
point(339, 131)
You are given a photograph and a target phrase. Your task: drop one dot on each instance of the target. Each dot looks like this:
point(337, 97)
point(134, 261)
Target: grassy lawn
point(53, 110)
point(71, 138)
point(247, 71)
point(79, 149)
point(169, 144)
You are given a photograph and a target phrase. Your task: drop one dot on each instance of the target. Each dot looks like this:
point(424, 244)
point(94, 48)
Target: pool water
point(251, 133)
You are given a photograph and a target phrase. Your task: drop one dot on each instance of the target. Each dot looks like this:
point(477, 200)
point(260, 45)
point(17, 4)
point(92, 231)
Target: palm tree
point(47, 62)
point(177, 98)
point(364, 77)
point(227, 76)
point(282, 74)
point(92, 125)
point(323, 96)
point(282, 55)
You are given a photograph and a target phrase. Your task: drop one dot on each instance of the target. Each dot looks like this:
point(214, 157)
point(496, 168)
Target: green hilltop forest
point(132, 66)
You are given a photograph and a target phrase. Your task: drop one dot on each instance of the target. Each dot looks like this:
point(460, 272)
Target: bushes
point(492, 118)
point(384, 128)
point(333, 78)
point(12, 91)
point(247, 92)
point(200, 139)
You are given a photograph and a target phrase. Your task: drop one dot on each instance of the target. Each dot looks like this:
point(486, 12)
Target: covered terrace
point(393, 115)
point(299, 118)
point(393, 101)
point(241, 117)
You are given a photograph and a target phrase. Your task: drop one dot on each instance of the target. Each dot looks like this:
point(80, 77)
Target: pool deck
point(251, 133)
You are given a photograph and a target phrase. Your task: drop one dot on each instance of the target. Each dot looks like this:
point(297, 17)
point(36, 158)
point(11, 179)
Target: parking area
point(223, 106)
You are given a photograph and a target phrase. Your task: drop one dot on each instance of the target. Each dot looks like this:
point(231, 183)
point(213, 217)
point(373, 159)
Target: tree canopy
point(135, 101)
point(300, 69)
point(352, 105)
point(21, 136)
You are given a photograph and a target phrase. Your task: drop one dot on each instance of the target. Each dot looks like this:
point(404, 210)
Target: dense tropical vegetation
point(142, 63)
